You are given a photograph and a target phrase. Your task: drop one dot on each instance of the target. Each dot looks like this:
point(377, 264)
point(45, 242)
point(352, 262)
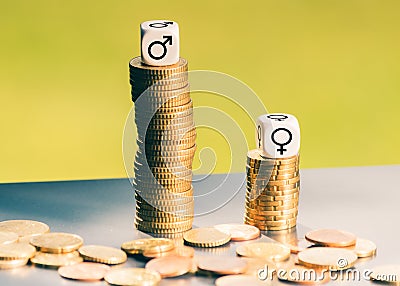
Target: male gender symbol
point(281, 149)
point(163, 45)
point(160, 25)
point(277, 117)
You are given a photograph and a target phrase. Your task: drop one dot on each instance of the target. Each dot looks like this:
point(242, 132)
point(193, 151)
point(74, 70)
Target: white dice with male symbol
point(159, 42)
point(278, 135)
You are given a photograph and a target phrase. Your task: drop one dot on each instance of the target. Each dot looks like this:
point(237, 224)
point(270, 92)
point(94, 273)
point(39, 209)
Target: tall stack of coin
point(272, 194)
point(166, 141)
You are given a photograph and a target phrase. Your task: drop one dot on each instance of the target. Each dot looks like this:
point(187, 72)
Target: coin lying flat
point(331, 237)
point(57, 242)
point(16, 251)
point(386, 273)
point(182, 250)
point(150, 245)
point(240, 280)
point(170, 266)
point(102, 254)
point(239, 232)
point(11, 264)
point(222, 265)
point(52, 260)
point(267, 250)
point(328, 258)
point(132, 276)
point(298, 245)
point(24, 227)
point(206, 237)
point(7, 237)
point(364, 248)
point(85, 271)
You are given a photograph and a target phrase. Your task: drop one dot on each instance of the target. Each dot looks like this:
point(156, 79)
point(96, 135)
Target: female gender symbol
point(281, 149)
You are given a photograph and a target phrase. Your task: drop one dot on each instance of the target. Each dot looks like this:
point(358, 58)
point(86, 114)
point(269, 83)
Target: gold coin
point(267, 250)
point(11, 264)
point(57, 242)
point(257, 187)
point(150, 245)
point(136, 65)
point(149, 86)
point(239, 232)
point(52, 260)
point(240, 280)
point(7, 237)
point(16, 251)
point(182, 250)
point(170, 266)
point(102, 254)
point(206, 237)
point(263, 203)
point(268, 171)
point(188, 112)
point(222, 265)
point(298, 245)
point(132, 276)
point(85, 271)
point(386, 273)
point(260, 197)
point(166, 225)
point(271, 223)
point(262, 207)
point(163, 231)
point(24, 227)
point(327, 257)
point(264, 227)
point(256, 155)
point(147, 218)
point(272, 213)
point(331, 237)
point(364, 248)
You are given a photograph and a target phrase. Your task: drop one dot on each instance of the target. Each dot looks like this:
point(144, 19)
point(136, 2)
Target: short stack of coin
point(166, 141)
point(56, 249)
point(272, 194)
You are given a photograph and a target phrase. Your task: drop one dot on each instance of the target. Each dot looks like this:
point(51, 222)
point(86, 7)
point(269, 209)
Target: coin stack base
point(166, 141)
point(272, 194)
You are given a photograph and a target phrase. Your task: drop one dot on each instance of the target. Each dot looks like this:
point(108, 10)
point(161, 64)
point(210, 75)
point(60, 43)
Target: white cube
point(278, 135)
point(159, 42)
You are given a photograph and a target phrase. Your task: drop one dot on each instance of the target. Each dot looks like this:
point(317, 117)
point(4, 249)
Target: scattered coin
point(16, 251)
point(386, 273)
point(24, 227)
point(239, 232)
point(102, 254)
point(57, 242)
point(364, 248)
point(132, 276)
point(298, 245)
point(327, 257)
point(7, 237)
point(85, 271)
point(182, 250)
point(206, 237)
point(331, 237)
point(170, 266)
point(267, 250)
point(52, 260)
point(11, 264)
point(148, 245)
point(222, 265)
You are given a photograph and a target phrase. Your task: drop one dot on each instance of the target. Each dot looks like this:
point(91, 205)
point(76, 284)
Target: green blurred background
point(65, 91)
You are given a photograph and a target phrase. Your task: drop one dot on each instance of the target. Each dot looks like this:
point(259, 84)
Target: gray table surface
point(363, 200)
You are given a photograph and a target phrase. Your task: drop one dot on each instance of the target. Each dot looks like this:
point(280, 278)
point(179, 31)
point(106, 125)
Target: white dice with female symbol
point(159, 42)
point(278, 135)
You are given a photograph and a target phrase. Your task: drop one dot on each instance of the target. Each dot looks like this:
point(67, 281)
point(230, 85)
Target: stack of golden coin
point(166, 141)
point(272, 194)
point(56, 249)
